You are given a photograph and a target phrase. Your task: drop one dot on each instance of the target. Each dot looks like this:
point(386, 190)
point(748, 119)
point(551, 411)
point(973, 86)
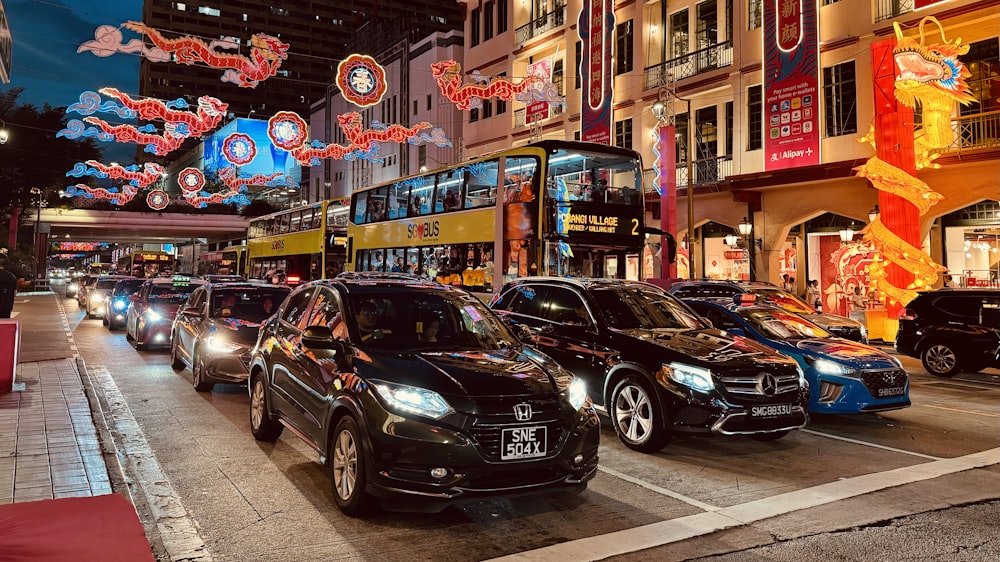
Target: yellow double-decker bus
point(231, 260)
point(559, 208)
point(300, 244)
point(150, 263)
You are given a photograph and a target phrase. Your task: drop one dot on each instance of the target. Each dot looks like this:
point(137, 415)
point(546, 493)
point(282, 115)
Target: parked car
point(215, 329)
point(151, 314)
point(417, 396)
point(841, 326)
point(99, 292)
point(952, 330)
point(116, 305)
point(845, 377)
point(652, 364)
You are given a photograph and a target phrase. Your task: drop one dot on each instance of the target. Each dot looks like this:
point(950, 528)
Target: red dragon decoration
point(208, 115)
point(467, 96)
point(266, 54)
point(161, 145)
point(289, 131)
point(150, 173)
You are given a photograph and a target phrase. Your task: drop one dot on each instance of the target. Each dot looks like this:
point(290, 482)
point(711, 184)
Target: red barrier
point(10, 340)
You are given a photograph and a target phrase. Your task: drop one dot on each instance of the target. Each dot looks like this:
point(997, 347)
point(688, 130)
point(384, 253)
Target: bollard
point(10, 340)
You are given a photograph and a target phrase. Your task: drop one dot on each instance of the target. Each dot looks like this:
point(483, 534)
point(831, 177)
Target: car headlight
point(153, 316)
point(98, 297)
point(698, 378)
point(577, 394)
point(119, 305)
point(220, 345)
point(413, 400)
point(827, 367)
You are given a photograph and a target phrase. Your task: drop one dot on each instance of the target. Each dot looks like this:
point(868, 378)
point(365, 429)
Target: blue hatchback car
point(845, 377)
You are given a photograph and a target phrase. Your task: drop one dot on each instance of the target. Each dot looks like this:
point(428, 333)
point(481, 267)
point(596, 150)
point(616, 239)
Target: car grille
point(498, 413)
point(749, 382)
point(877, 380)
point(852, 333)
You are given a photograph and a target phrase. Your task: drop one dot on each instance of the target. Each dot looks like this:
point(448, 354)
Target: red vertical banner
point(791, 84)
point(596, 28)
point(10, 340)
point(666, 182)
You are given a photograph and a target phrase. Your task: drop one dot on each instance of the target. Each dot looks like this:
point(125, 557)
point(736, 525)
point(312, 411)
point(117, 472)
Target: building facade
point(706, 61)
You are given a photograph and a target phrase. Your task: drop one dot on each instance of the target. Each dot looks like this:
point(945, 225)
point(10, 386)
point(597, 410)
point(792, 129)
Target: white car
point(100, 292)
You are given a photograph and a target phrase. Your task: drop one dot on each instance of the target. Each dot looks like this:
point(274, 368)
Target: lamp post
point(666, 139)
point(746, 231)
point(847, 235)
point(37, 243)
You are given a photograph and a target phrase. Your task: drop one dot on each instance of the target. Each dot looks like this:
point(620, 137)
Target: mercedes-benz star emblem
point(522, 412)
point(767, 384)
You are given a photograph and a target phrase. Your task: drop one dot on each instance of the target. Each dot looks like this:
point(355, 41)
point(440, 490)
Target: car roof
point(731, 282)
point(171, 280)
point(380, 284)
point(244, 285)
point(585, 283)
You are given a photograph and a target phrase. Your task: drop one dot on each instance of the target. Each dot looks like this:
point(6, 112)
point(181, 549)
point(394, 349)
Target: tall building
point(705, 60)
point(317, 32)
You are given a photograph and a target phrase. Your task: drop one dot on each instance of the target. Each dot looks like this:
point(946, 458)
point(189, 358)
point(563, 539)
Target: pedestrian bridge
point(82, 225)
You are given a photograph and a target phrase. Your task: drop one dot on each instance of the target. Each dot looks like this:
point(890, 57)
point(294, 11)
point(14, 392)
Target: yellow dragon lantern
point(931, 77)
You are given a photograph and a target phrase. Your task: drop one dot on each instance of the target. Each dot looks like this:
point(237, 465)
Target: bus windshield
point(584, 176)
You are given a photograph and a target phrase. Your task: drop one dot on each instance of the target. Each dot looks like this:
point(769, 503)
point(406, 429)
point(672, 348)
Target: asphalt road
point(889, 486)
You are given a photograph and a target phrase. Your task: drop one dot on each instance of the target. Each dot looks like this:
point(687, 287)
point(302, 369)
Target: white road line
point(178, 531)
point(867, 444)
point(973, 412)
point(674, 530)
point(657, 489)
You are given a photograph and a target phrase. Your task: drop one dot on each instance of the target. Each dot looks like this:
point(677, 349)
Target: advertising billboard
point(267, 160)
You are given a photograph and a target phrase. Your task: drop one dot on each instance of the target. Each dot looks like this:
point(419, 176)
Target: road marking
point(178, 531)
point(974, 412)
point(674, 530)
point(657, 489)
point(868, 444)
point(14, 314)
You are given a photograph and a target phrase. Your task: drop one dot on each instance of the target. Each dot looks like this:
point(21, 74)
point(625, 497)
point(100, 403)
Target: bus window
point(361, 208)
point(519, 180)
point(399, 195)
point(481, 185)
point(421, 196)
point(377, 205)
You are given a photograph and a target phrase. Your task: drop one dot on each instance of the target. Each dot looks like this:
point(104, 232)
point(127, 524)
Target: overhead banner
point(539, 110)
point(791, 84)
point(597, 25)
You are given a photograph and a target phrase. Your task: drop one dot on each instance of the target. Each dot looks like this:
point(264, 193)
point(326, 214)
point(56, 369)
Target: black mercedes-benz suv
point(952, 330)
point(652, 364)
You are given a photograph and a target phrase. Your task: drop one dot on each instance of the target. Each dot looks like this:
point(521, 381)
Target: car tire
point(772, 436)
point(941, 360)
point(176, 363)
point(139, 344)
point(636, 416)
point(348, 475)
point(198, 374)
point(104, 319)
point(263, 425)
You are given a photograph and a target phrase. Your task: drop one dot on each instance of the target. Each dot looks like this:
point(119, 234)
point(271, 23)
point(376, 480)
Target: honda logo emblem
point(522, 412)
point(767, 384)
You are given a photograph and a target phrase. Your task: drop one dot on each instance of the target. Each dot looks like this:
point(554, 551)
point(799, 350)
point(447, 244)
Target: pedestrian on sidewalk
point(8, 288)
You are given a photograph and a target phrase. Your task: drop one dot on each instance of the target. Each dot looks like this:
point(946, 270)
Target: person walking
point(8, 288)
point(812, 294)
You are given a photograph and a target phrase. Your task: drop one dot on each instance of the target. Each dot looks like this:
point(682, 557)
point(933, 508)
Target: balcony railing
point(690, 64)
point(975, 132)
point(890, 9)
point(545, 22)
point(707, 171)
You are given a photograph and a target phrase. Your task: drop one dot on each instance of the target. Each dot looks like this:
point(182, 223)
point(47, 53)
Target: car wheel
point(176, 363)
point(140, 344)
point(263, 425)
point(104, 319)
point(198, 374)
point(347, 468)
point(940, 360)
point(637, 418)
point(772, 436)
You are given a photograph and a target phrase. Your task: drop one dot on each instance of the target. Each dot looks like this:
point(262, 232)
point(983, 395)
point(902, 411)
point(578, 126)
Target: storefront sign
point(597, 23)
point(538, 111)
point(791, 85)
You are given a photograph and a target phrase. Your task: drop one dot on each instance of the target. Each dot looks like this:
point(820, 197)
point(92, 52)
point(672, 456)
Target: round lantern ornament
point(157, 200)
point(239, 148)
point(361, 80)
point(191, 180)
point(287, 130)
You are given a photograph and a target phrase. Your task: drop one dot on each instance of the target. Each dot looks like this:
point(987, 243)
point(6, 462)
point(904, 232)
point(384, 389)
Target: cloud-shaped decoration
point(80, 169)
point(148, 128)
point(479, 77)
point(90, 103)
point(377, 125)
point(179, 103)
point(108, 40)
point(435, 136)
point(371, 155)
point(546, 92)
point(76, 129)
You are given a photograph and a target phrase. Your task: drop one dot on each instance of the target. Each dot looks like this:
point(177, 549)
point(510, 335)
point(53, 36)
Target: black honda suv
point(952, 330)
point(652, 364)
point(418, 394)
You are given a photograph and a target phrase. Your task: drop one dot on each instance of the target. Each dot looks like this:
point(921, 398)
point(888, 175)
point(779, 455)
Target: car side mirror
point(192, 312)
point(522, 331)
point(318, 337)
point(707, 322)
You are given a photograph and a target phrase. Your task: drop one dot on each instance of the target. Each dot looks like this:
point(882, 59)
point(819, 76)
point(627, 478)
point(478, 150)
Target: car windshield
point(171, 294)
point(128, 287)
point(628, 307)
point(247, 303)
point(426, 321)
point(106, 284)
point(784, 299)
point(779, 324)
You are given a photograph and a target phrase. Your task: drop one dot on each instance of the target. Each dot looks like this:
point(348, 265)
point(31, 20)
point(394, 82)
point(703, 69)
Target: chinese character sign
point(791, 84)
point(597, 23)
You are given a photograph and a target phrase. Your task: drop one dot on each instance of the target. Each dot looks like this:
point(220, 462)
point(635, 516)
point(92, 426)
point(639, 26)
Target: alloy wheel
point(345, 465)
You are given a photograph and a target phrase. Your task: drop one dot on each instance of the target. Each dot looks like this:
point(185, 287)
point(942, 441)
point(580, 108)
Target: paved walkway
point(49, 445)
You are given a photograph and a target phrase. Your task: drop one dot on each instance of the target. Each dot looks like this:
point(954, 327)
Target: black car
point(116, 305)
point(215, 329)
point(840, 326)
point(653, 364)
point(952, 330)
point(417, 395)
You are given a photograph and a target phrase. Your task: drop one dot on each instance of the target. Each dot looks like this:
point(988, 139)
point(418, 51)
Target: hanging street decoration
point(157, 200)
point(113, 194)
point(108, 40)
point(158, 144)
point(361, 80)
point(208, 114)
point(468, 96)
point(932, 77)
point(91, 103)
point(190, 180)
point(266, 54)
point(239, 149)
point(137, 179)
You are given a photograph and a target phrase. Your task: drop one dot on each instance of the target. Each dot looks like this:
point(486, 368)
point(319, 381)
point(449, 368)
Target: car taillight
point(908, 314)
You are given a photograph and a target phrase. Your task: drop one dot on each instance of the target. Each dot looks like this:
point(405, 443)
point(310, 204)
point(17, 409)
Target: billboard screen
point(268, 160)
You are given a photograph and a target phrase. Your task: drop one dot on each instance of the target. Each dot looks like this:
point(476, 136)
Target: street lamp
point(37, 243)
point(846, 234)
point(3, 132)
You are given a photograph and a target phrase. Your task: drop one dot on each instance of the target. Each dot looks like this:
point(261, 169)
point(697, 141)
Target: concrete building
point(711, 54)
